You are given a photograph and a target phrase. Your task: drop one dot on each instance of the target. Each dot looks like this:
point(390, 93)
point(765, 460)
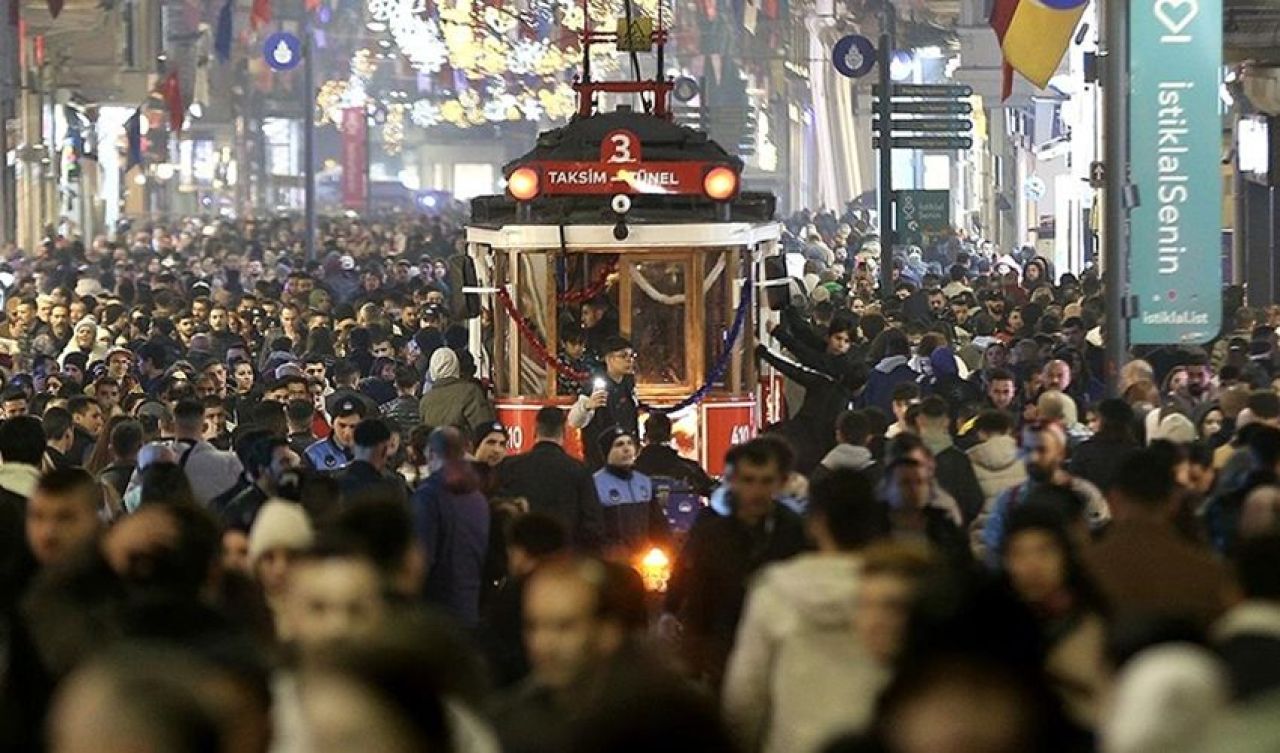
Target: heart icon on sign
point(1176, 15)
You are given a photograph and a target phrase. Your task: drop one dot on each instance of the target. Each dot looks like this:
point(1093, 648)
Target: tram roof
point(663, 140)
point(501, 210)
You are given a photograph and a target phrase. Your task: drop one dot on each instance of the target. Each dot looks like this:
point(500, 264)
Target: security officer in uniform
point(333, 453)
point(633, 518)
point(608, 400)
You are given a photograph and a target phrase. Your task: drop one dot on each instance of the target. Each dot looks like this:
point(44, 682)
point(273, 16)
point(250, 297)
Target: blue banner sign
point(1175, 129)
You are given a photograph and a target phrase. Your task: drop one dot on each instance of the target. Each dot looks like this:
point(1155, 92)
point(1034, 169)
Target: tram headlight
point(524, 184)
point(720, 183)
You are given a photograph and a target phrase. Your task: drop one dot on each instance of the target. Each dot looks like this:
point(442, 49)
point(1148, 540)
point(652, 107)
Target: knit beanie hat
point(608, 437)
point(280, 525)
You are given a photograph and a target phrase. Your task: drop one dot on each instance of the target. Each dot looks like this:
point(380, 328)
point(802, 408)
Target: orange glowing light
point(523, 184)
point(655, 569)
point(720, 183)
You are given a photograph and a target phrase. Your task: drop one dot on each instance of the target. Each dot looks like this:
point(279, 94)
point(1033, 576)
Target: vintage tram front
point(628, 222)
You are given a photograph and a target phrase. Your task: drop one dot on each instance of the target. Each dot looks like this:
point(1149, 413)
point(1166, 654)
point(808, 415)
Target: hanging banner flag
point(223, 36)
point(171, 89)
point(1034, 35)
point(1175, 238)
point(133, 131)
point(355, 158)
point(55, 7)
point(261, 14)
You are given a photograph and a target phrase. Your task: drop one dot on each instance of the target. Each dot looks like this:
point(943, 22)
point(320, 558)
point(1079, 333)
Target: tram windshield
point(674, 305)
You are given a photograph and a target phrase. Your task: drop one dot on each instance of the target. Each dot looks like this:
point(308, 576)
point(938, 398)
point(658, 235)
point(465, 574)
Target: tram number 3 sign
point(620, 148)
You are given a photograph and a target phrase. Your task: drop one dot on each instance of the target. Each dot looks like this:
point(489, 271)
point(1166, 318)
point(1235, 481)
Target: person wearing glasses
point(608, 400)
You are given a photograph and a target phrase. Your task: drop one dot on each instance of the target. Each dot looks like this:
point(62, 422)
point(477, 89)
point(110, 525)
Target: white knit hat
point(280, 525)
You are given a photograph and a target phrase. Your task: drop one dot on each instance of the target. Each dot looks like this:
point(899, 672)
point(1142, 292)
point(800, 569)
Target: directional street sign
point(927, 90)
point(933, 107)
point(929, 125)
point(927, 142)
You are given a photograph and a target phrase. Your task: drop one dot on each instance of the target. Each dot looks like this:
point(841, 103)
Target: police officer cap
point(349, 406)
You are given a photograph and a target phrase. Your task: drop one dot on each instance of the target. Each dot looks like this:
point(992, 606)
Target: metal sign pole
point(885, 110)
point(309, 133)
point(1115, 270)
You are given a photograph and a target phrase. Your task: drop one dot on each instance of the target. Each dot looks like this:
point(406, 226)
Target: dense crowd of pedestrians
point(252, 504)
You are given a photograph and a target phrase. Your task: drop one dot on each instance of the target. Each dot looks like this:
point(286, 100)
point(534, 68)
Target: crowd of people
point(250, 503)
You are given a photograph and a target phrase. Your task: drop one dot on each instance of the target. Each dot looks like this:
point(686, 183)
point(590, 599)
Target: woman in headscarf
point(87, 339)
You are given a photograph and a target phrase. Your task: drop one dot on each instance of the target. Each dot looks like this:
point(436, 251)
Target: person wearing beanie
point(85, 340)
point(633, 519)
point(279, 532)
point(453, 400)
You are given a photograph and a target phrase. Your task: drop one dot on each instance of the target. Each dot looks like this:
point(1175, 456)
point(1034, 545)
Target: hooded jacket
point(797, 677)
point(997, 467)
point(887, 374)
point(451, 520)
point(847, 457)
point(453, 401)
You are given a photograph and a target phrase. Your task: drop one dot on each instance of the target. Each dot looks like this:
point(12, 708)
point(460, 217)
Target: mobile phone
point(600, 385)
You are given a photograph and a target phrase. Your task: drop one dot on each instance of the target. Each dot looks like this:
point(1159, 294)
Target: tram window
point(658, 321)
point(718, 307)
point(596, 318)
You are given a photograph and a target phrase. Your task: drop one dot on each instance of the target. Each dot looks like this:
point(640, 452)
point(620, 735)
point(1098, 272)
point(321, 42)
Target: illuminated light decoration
point(523, 184)
point(532, 110)
point(720, 184)
point(381, 10)
point(393, 130)
point(425, 113)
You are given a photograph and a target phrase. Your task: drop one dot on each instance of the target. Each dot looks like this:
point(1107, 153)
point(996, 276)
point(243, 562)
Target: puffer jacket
point(797, 677)
point(997, 466)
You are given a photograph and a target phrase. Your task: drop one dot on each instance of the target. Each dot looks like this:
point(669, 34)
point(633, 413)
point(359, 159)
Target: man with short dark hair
point(62, 515)
point(853, 431)
point(367, 474)
point(211, 471)
point(403, 410)
point(59, 433)
point(87, 423)
point(608, 399)
point(709, 581)
point(269, 460)
point(336, 451)
point(15, 402)
point(660, 460)
point(554, 483)
point(1002, 388)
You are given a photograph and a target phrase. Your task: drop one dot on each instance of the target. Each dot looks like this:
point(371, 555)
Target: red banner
point(355, 158)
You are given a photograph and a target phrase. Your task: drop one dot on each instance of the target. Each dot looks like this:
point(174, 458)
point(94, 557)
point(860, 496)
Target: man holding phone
point(608, 400)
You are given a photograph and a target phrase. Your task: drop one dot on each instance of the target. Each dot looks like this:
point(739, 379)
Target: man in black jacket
point(709, 582)
point(659, 459)
point(608, 400)
point(554, 483)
